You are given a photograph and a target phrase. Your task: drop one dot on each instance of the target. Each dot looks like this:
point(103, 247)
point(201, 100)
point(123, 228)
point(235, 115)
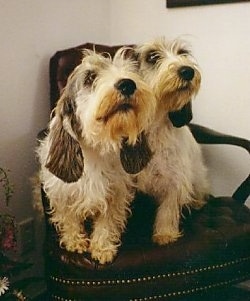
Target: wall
point(219, 37)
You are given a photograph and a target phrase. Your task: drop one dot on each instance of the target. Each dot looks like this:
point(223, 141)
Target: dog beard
point(124, 117)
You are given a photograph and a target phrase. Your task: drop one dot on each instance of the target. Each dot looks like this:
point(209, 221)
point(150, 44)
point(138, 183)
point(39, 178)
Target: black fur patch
point(135, 157)
point(182, 117)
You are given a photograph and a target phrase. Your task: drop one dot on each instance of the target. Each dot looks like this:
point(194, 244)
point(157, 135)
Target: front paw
point(103, 254)
point(166, 238)
point(77, 243)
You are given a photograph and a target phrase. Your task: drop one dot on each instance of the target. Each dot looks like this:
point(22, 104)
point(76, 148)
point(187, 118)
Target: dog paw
point(79, 244)
point(166, 238)
point(103, 256)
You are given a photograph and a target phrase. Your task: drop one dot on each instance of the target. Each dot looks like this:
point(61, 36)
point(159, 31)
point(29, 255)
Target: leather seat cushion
point(216, 239)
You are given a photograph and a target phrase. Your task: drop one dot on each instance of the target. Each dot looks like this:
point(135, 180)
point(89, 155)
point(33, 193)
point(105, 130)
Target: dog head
point(171, 71)
point(105, 106)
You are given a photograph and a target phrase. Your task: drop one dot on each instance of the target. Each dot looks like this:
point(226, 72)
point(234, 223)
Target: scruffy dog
point(95, 141)
point(176, 175)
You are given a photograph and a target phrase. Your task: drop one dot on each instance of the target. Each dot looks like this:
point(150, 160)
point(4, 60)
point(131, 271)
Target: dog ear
point(135, 157)
point(65, 158)
point(181, 117)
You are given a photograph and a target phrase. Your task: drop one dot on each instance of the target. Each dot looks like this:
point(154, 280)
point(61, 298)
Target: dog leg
point(166, 226)
point(72, 236)
point(106, 235)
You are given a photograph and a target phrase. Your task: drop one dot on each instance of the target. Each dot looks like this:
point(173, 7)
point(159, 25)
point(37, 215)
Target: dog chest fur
point(171, 166)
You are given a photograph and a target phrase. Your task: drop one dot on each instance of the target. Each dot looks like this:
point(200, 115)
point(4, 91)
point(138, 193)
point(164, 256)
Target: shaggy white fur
point(104, 106)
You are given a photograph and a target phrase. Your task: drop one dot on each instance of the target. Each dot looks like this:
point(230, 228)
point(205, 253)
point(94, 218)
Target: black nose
point(186, 73)
point(126, 86)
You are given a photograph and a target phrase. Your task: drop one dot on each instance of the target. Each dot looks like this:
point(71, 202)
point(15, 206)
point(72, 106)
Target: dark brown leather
point(214, 251)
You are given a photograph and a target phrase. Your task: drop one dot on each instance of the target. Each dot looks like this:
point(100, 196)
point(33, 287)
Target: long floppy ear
point(65, 158)
point(181, 117)
point(135, 157)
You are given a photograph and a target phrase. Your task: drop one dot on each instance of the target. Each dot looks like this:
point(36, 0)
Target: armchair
point(213, 253)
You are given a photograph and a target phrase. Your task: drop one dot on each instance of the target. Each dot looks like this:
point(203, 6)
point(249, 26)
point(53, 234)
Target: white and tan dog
point(94, 134)
point(176, 175)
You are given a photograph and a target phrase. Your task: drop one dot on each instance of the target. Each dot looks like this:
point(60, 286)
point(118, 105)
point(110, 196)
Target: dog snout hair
point(126, 86)
point(186, 73)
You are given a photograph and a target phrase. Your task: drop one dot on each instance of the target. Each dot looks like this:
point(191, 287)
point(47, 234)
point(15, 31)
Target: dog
point(94, 147)
point(176, 175)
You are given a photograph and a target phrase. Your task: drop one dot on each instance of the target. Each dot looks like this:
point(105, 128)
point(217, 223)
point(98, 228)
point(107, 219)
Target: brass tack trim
point(188, 292)
point(172, 294)
point(147, 278)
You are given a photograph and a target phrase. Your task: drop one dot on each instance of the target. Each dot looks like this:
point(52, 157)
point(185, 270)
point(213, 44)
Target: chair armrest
point(205, 135)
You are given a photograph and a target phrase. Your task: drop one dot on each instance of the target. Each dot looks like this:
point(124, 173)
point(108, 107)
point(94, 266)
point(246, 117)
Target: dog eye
point(89, 78)
point(183, 52)
point(152, 57)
